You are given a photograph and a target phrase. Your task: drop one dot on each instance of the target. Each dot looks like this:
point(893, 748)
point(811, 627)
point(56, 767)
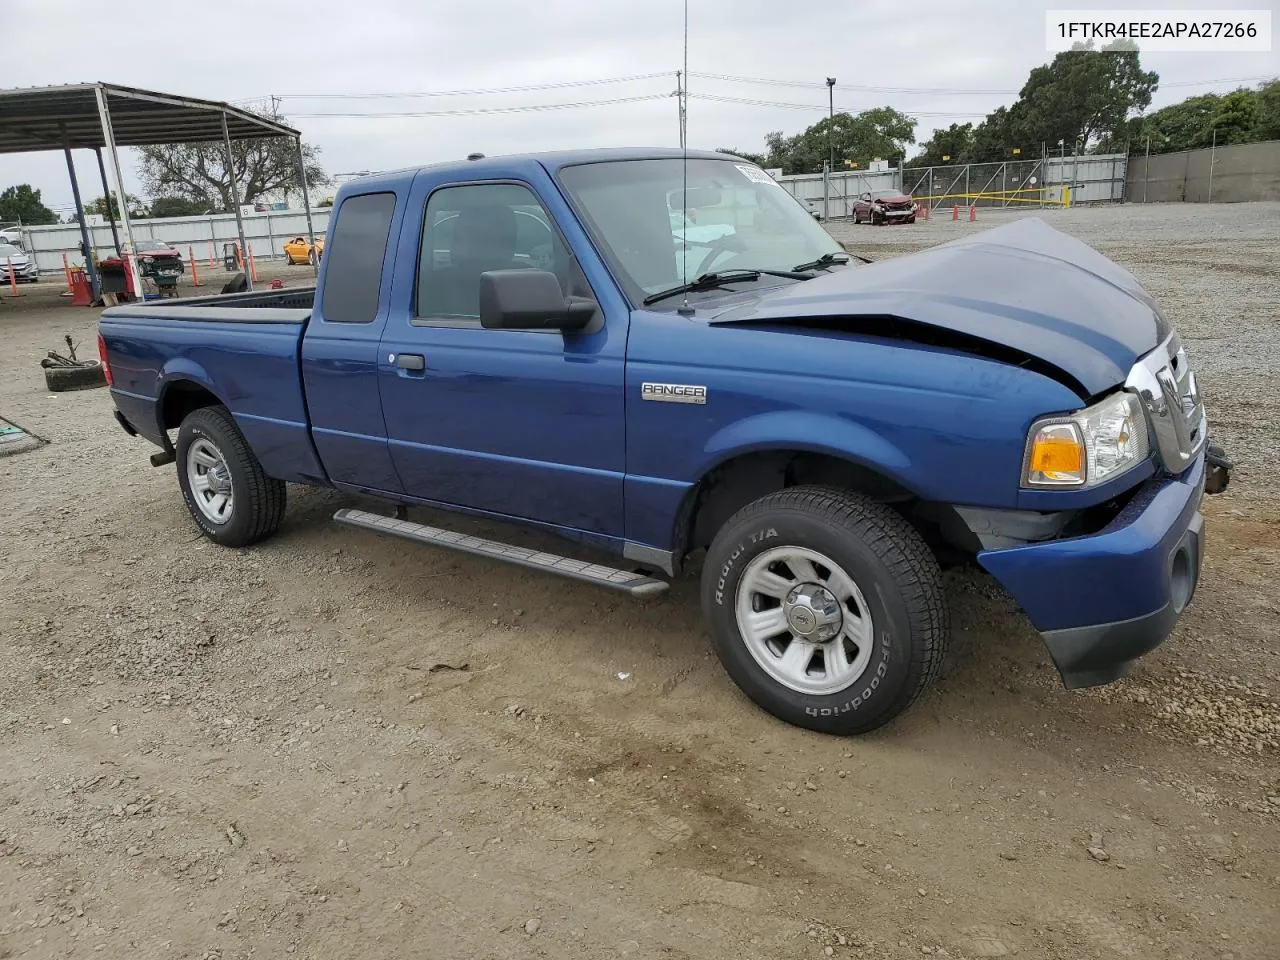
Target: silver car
point(24, 264)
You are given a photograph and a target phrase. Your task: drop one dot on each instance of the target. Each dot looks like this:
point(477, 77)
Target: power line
point(818, 106)
point(935, 91)
point(1200, 83)
point(525, 108)
point(475, 92)
point(810, 84)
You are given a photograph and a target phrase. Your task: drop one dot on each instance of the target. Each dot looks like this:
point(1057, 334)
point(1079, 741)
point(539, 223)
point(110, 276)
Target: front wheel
point(231, 499)
point(826, 608)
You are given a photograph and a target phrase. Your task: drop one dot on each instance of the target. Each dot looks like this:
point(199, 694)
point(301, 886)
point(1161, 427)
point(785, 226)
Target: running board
point(636, 584)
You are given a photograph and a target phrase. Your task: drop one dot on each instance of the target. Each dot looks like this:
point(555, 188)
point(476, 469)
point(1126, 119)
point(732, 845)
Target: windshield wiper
point(826, 260)
point(718, 278)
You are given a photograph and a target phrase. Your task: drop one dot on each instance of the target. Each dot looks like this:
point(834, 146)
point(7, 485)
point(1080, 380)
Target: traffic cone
point(973, 212)
point(955, 212)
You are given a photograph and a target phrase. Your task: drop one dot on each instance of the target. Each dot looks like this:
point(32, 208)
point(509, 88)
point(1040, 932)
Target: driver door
point(521, 423)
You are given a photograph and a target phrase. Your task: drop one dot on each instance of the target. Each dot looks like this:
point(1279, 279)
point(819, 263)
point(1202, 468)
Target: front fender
point(809, 431)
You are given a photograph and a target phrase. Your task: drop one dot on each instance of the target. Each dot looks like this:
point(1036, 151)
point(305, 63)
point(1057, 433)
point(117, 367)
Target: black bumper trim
point(1098, 654)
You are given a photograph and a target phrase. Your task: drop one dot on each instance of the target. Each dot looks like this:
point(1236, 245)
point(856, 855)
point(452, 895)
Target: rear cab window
point(354, 258)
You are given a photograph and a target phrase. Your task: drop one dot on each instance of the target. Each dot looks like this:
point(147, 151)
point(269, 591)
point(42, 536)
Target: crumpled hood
point(1022, 286)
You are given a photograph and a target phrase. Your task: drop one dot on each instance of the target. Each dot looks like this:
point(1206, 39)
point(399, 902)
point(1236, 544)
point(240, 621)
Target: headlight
point(1086, 448)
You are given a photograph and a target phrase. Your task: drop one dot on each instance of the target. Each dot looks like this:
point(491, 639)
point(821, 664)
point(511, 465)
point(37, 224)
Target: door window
point(471, 229)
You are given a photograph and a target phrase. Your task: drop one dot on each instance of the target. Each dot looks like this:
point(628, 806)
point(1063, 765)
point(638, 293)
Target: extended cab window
point(353, 277)
point(470, 229)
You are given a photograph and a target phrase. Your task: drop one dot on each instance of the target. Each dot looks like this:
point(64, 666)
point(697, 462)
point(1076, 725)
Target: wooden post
point(66, 271)
point(213, 256)
point(195, 272)
point(239, 257)
point(253, 267)
point(13, 279)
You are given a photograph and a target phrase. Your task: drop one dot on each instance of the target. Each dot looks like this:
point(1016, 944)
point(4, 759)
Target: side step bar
point(636, 584)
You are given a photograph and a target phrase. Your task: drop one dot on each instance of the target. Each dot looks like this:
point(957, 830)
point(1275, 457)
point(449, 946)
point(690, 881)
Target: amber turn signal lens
point(1057, 456)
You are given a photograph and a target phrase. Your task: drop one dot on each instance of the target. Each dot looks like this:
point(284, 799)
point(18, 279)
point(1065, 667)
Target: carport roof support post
point(104, 116)
point(89, 268)
point(306, 203)
point(235, 199)
point(106, 192)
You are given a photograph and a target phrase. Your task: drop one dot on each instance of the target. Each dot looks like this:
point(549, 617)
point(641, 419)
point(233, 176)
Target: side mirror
point(530, 300)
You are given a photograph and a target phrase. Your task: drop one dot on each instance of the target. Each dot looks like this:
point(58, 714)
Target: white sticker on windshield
point(755, 174)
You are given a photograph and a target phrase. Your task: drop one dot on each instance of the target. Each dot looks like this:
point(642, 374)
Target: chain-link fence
point(1040, 182)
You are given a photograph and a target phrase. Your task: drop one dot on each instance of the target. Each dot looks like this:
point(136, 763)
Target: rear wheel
point(231, 499)
point(826, 608)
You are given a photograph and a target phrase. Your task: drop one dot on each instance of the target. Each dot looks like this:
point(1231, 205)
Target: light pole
point(831, 117)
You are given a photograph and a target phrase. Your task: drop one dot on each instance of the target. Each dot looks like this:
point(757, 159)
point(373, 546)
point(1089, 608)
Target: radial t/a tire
point(874, 571)
point(84, 377)
point(215, 462)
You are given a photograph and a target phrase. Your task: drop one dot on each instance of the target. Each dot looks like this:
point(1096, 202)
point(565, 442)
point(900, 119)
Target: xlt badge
point(673, 392)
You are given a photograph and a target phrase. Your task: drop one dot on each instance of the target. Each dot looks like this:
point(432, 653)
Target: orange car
point(298, 250)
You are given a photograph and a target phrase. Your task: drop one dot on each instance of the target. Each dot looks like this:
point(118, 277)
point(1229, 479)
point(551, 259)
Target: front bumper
point(1103, 600)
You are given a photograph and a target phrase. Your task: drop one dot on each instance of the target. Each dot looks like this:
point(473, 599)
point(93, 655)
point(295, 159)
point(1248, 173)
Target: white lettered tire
point(230, 498)
point(826, 608)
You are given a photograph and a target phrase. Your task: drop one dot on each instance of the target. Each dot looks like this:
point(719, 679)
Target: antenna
point(684, 166)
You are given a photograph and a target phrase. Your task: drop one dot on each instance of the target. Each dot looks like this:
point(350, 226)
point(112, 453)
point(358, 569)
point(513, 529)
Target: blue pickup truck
point(663, 356)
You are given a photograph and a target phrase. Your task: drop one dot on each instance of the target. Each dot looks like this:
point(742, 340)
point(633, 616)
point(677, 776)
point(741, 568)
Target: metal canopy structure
point(97, 116)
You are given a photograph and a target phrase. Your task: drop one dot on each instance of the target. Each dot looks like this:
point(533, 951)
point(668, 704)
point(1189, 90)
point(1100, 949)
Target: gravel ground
point(336, 745)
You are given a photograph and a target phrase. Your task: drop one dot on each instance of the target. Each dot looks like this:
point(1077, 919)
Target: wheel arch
point(741, 476)
point(182, 393)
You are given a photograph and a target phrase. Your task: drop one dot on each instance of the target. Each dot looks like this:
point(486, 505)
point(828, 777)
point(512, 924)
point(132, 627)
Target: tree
point(992, 138)
point(756, 158)
point(1235, 118)
point(108, 207)
point(951, 145)
point(1269, 110)
point(1083, 97)
point(878, 134)
point(177, 207)
point(198, 171)
point(23, 203)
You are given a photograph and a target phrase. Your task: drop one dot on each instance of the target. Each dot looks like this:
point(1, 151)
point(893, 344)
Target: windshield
point(736, 217)
point(151, 245)
point(881, 194)
point(8, 250)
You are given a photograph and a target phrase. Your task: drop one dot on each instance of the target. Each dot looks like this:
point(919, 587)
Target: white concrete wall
point(266, 232)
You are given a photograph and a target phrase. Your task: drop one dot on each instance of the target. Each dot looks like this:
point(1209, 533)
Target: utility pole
point(679, 95)
point(1146, 171)
point(831, 121)
point(1213, 150)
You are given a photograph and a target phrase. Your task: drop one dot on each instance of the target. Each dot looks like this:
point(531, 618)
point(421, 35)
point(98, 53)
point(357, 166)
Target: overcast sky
point(239, 51)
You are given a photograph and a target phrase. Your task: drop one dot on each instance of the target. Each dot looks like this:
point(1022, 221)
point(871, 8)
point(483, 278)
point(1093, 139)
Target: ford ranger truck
point(664, 357)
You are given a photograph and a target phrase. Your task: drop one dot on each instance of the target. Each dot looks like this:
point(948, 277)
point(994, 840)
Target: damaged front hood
point(1024, 287)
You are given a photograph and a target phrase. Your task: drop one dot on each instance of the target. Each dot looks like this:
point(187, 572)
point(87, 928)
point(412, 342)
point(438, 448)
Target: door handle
point(411, 361)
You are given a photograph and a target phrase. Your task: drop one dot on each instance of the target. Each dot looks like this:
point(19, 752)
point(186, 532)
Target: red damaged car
point(884, 206)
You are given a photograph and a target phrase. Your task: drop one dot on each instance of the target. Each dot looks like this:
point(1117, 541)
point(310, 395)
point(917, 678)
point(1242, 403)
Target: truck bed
point(241, 348)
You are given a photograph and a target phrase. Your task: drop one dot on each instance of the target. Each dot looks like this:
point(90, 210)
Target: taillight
point(102, 355)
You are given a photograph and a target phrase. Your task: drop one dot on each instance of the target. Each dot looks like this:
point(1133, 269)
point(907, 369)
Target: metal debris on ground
point(16, 439)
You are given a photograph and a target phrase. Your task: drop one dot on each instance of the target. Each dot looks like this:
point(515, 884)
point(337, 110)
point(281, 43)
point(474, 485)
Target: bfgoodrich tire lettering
point(898, 581)
point(257, 501)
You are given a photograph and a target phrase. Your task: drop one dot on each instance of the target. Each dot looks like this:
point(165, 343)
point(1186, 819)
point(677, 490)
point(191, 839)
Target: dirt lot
point(333, 745)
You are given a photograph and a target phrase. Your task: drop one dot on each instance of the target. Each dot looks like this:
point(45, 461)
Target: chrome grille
point(1163, 379)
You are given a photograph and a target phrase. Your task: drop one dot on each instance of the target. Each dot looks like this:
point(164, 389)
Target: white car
point(24, 265)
